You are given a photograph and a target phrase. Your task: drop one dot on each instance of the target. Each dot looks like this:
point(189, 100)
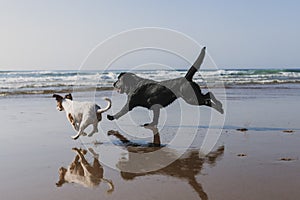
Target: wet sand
point(261, 162)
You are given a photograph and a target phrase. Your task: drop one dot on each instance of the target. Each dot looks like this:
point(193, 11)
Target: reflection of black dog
point(154, 95)
point(187, 167)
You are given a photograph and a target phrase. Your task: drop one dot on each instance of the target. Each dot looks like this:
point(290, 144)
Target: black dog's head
point(59, 100)
point(126, 83)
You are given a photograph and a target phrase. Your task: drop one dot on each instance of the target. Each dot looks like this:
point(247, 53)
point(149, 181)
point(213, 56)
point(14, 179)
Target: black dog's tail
point(195, 67)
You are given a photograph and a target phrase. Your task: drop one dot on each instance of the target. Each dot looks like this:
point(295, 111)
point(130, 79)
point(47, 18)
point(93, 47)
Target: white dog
point(81, 114)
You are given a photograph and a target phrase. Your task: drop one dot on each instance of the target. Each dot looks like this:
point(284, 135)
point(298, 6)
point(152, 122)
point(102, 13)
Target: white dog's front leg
point(80, 132)
point(95, 130)
point(73, 121)
point(76, 128)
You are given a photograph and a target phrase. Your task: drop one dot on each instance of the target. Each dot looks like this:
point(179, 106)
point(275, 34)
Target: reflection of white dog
point(82, 173)
point(81, 114)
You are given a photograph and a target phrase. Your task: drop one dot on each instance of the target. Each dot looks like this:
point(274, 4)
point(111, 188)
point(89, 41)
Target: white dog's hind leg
point(95, 129)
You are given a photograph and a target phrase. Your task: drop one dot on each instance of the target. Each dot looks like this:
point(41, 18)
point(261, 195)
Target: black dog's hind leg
point(193, 95)
point(214, 103)
point(211, 96)
point(156, 111)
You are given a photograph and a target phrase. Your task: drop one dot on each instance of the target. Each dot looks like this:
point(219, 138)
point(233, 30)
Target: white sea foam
point(14, 82)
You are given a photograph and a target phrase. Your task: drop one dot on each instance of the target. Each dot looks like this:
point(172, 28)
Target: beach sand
point(259, 162)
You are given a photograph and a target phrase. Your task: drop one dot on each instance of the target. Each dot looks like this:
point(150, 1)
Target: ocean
point(46, 82)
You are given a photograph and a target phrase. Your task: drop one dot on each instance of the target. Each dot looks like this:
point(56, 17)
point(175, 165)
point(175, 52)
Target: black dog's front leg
point(122, 112)
point(156, 112)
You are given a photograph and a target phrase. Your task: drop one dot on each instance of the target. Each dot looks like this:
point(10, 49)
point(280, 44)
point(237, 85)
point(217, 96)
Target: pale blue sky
point(58, 34)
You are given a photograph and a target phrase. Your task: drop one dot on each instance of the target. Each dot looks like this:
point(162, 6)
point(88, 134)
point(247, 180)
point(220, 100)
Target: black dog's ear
point(122, 73)
point(69, 96)
point(57, 97)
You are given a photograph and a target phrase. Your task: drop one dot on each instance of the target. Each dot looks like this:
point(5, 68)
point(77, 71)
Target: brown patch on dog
point(58, 101)
point(69, 96)
point(99, 116)
point(71, 119)
point(59, 105)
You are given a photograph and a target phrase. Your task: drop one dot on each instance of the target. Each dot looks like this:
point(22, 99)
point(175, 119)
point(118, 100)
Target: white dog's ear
point(57, 97)
point(69, 96)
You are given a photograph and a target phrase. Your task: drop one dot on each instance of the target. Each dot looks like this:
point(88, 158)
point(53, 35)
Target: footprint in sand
point(288, 131)
point(242, 129)
point(287, 159)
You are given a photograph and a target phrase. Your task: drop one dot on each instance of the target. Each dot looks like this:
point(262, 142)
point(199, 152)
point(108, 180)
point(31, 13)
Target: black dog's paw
point(218, 107)
point(221, 110)
point(110, 117)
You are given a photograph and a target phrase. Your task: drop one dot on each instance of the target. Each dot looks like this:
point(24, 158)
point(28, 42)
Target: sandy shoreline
point(260, 163)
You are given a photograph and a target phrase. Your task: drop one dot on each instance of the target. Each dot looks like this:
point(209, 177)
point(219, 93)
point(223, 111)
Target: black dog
point(155, 95)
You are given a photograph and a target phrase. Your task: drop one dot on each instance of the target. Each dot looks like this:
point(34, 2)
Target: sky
point(59, 34)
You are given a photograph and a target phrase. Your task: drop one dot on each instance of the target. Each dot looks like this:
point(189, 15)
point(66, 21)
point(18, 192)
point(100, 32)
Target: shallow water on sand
point(261, 163)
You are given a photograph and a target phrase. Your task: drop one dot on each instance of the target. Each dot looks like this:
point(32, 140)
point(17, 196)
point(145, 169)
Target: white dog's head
point(59, 100)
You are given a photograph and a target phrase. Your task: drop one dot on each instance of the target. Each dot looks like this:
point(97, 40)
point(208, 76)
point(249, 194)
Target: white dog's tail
point(107, 107)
